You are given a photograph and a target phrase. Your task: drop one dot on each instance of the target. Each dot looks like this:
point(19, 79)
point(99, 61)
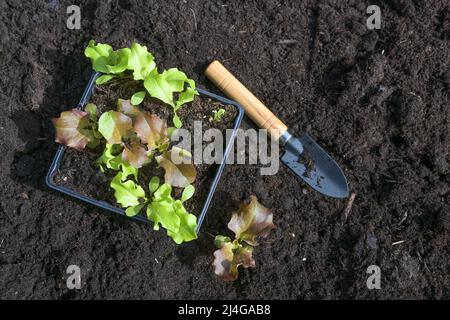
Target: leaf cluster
point(251, 221)
point(171, 86)
point(135, 138)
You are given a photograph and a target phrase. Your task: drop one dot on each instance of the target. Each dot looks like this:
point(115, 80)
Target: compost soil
point(376, 100)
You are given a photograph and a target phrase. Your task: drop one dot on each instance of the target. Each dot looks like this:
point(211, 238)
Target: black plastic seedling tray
point(112, 209)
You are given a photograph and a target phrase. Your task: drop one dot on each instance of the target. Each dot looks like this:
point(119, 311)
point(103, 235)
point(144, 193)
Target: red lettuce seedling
point(117, 129)
point(250, 221)
point(76, 129)
point(152, 131)
point(230, 256)
point(177, 163)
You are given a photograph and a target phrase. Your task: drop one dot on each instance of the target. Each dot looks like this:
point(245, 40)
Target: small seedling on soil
point(250, 221)
point(218, 115)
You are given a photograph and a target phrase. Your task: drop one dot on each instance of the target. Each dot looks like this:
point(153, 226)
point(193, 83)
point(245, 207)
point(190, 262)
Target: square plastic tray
point(113, 209)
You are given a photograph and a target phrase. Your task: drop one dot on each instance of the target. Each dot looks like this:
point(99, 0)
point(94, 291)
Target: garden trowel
point(302, 155)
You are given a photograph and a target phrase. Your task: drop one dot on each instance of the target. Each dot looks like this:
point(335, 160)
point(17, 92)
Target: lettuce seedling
point(77, 129)
point(218, 115)
point(152, 131)
point(230, 256)
point(250, 221)
point(163, 86)
point(117, 129)
point(111, 158)
point(127, 192)
point(107, 61)
point(141, 63)
point(179, 170)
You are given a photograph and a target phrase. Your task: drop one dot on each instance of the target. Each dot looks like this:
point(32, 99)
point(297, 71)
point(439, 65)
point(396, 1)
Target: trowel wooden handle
point(254, 108)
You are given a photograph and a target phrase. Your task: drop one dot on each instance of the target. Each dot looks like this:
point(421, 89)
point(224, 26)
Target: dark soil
point(378, 101)
point(79, 173)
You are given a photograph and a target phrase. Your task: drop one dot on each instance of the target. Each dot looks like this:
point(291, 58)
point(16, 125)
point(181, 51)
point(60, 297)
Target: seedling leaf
point(128, 193)
point(219, 241)
point(250, 221)
point(179, 170)
point(177, 121)
point(154, 184)
point(72, 129)
point(140, 61)
point(185, 97)
point(128, 170)
point(114, 125)
point(158, 87)
point(105, 60)
point(92, 110)
point(161, 212)
point(188, 225)
point(188, 192)
point(152, 131)
point(133, 211)
point(135, 154)
point(104, 79)
point(218, 114)
point(108, 158)
point(127, 108)
point(98, 54)
point(137, 98)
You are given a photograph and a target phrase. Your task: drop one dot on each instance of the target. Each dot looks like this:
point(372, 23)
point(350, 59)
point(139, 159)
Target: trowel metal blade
point(311, 163)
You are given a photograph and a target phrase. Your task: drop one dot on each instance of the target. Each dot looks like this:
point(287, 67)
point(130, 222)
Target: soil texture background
point(377, 101)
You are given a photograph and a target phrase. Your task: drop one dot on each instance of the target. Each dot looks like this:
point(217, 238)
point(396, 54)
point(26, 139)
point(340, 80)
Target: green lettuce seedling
point(162, 209)
point(250, 221)
point(171, 214)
